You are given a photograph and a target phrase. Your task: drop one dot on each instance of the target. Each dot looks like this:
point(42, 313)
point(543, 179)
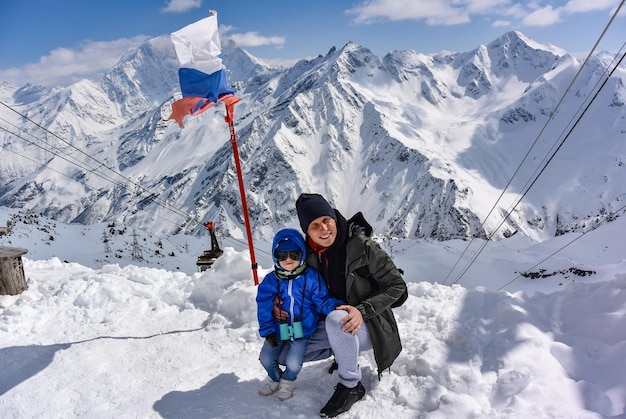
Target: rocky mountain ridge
point(423, 145)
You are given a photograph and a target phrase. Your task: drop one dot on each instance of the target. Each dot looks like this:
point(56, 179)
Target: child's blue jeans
point(293, 362)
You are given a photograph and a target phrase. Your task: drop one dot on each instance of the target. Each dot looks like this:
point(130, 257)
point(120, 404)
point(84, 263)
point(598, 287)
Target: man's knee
point(334, 319)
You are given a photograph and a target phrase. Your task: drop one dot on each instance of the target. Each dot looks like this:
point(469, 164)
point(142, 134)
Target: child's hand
point(272, 340)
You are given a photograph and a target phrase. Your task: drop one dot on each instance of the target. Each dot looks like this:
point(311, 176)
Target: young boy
point(304, 296)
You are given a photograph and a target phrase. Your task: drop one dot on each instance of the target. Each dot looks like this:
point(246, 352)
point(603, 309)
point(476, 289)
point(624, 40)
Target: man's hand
point(278, 313)
point(353, 320)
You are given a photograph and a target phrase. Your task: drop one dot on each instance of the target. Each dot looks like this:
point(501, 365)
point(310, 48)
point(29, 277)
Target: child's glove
point(272, 340)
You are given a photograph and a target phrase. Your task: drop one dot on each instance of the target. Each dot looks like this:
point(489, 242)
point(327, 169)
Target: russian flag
point(201, 74)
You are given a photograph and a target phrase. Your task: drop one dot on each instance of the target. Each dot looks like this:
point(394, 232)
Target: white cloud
point(250, 39)
point(543, 17)
point(484, 6)
point(433, 12)
point(514, 11)
point(180, 6)
point(581, 6)
point(450, 12)
point(253, 39)
point(65, 65)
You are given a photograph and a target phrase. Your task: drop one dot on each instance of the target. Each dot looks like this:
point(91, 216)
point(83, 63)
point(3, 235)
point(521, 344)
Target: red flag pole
point(230, 105)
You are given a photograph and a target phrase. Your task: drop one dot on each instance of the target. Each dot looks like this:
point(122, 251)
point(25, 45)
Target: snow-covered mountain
point(428, 146)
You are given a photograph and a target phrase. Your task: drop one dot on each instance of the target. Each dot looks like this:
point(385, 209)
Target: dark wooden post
point(12, 279)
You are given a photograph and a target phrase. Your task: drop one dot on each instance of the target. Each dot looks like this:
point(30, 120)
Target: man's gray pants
point(329, 340)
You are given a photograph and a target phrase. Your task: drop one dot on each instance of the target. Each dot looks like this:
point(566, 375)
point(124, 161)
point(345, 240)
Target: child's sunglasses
point(293, 254)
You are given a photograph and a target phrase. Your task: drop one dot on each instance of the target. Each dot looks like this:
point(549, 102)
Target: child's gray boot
point(285, 389)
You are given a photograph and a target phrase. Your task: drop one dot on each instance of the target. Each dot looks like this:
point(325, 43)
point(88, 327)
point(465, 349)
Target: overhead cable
point(550, 118)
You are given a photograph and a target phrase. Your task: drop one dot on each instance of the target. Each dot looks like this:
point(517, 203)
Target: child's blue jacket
point(304, 296)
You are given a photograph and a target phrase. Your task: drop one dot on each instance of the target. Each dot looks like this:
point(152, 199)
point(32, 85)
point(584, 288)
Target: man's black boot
point(342, 400)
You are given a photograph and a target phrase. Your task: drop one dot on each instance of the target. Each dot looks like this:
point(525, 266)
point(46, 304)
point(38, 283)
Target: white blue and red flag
point(201, 75)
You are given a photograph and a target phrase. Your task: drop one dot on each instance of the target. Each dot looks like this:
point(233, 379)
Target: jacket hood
point(289, 234)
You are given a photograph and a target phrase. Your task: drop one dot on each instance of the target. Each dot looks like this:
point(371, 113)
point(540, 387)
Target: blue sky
point(51, 42)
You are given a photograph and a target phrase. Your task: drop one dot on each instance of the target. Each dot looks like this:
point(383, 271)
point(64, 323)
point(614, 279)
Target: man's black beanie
point(310, 206)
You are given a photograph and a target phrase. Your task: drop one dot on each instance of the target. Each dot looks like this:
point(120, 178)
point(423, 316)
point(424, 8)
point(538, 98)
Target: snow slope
point(140, 342)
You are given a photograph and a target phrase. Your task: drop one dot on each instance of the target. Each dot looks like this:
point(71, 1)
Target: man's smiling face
point(323, 231)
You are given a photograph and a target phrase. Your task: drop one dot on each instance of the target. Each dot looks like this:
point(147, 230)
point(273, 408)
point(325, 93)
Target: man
point(359, 273)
